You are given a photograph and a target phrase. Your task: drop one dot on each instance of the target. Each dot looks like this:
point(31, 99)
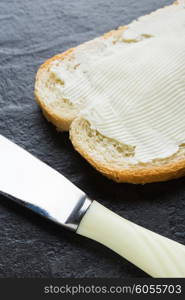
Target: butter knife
point(34, 184)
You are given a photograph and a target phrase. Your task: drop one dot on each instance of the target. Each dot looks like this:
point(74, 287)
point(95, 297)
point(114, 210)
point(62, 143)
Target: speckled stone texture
point(30, 32)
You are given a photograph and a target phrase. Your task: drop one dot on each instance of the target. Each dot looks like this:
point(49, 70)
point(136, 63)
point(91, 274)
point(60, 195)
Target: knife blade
point(37, 186)
point(34, 184)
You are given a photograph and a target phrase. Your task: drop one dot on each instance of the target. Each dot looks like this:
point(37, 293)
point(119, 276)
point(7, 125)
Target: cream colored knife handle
point(151, 252)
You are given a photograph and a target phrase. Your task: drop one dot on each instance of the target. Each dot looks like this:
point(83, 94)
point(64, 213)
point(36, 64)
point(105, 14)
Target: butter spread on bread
point(115, 130)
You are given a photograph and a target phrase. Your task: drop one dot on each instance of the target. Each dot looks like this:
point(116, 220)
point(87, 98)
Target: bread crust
point(63, 123)
point(139, 175)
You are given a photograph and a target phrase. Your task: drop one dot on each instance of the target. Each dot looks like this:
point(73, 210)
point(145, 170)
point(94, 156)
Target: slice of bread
point(108, 156)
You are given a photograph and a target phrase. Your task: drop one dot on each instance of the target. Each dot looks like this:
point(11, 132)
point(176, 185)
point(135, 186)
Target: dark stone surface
point(30, 32)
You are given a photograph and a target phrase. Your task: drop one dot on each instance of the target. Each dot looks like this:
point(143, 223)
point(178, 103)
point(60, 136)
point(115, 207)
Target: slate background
point(30, 32)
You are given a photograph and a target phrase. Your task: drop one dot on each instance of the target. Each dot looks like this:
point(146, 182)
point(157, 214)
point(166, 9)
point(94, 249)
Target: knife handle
point(155, 254)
